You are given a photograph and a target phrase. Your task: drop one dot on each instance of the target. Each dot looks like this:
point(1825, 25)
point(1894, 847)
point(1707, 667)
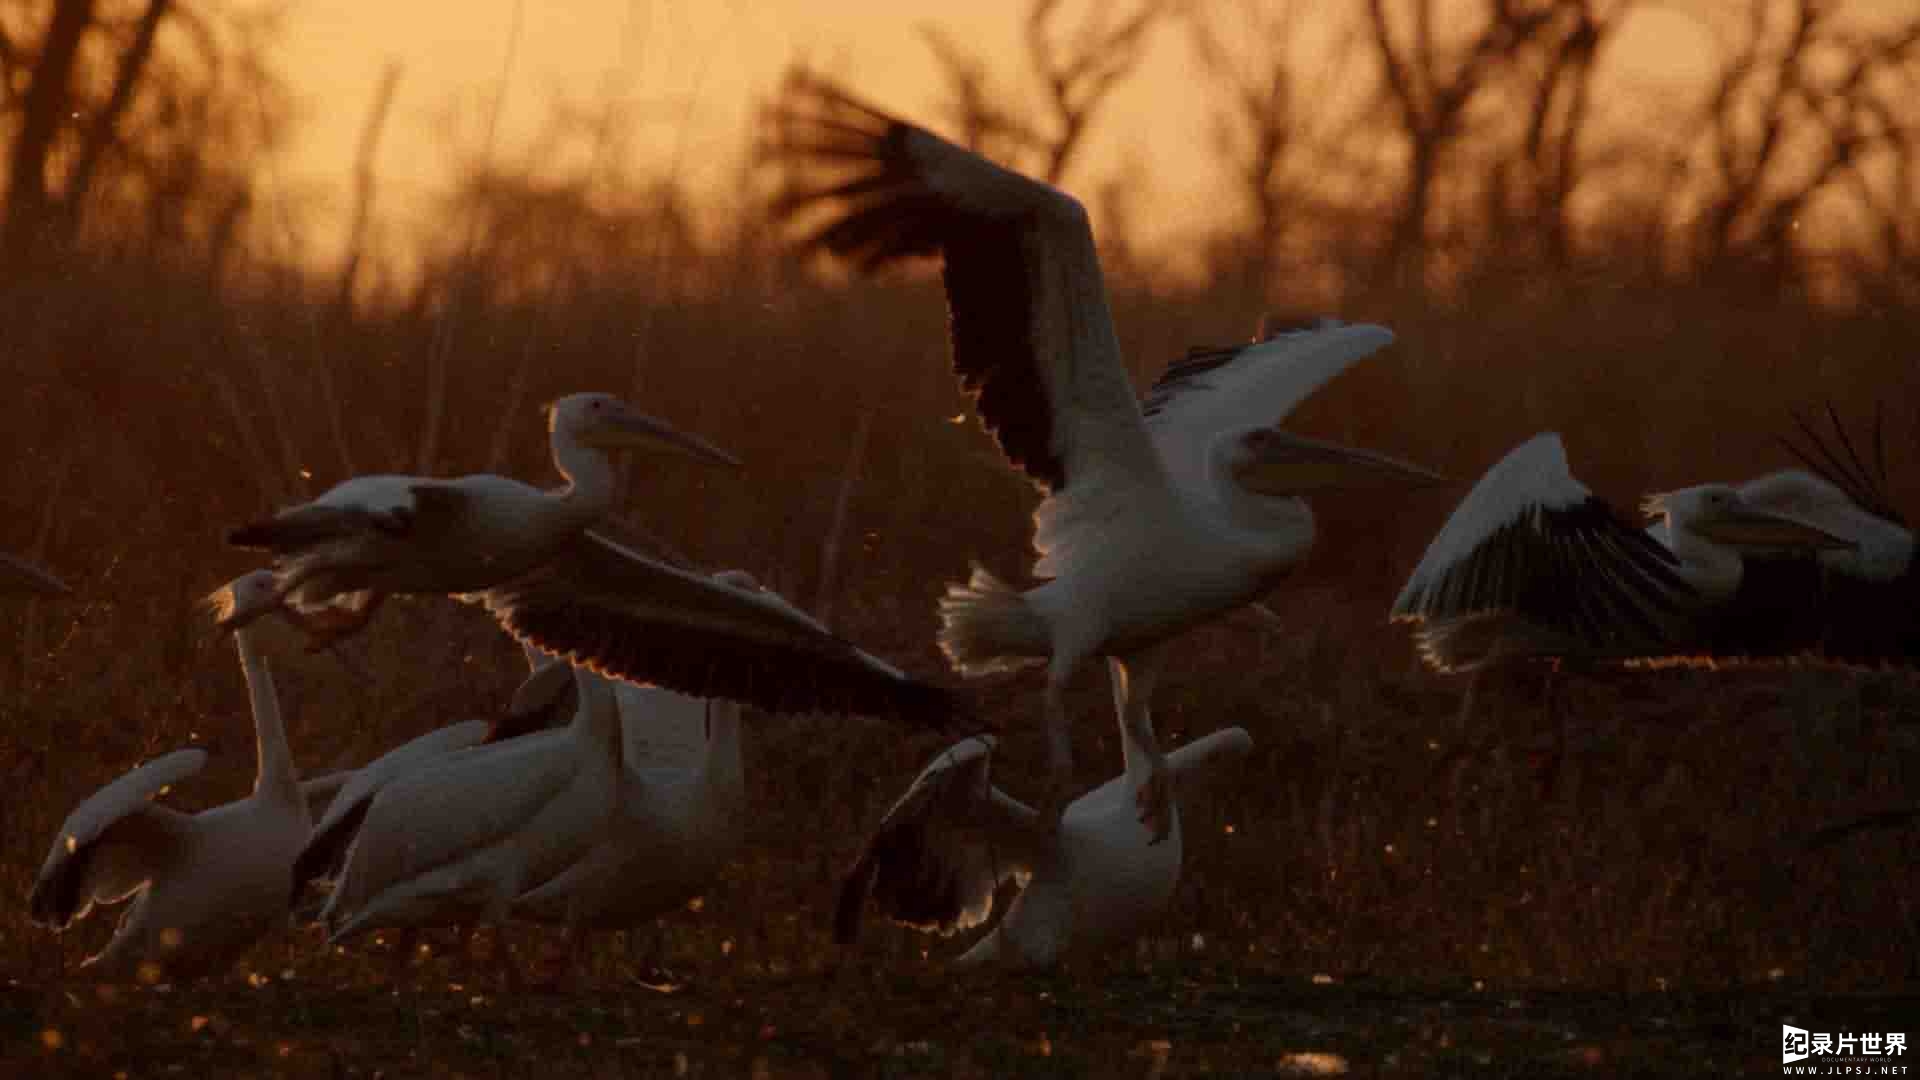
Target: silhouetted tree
point(1429, 84)
point(1077, 67)
point(154, 113)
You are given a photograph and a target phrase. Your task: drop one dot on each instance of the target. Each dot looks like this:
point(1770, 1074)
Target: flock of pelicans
point(611, 790)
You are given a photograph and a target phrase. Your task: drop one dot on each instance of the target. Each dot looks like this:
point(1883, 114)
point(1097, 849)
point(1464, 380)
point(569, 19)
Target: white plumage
point(205, 886)
point(338, 556)
point(1155, 519)
point(460, 839)
point(676, 825)
point(1100, 877)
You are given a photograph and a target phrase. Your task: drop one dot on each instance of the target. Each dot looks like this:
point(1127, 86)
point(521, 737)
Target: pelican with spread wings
point(1809, 562)
point(1159, 514)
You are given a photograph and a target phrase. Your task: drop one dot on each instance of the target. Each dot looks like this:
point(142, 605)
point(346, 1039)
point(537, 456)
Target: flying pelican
point(1100, 876)
point(205, 886)
point(19, 575)
point(1155, 518)
point(528, 556)
point(459, 840)
point(338, 556)
point(1533, 564)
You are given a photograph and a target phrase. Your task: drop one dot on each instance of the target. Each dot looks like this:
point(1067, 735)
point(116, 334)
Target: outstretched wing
point(941, 850)
point(626, 616)
point(1244, 386)
point(112, 841)
point(1532, 562)
point(1033, 338)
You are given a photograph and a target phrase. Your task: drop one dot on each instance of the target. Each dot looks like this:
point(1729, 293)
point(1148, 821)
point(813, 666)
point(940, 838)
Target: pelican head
point(243, 599)
point(1269, 461)
point(1716, 512)
point(604, 422)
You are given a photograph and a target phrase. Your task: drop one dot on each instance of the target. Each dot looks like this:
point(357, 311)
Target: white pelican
point(1101, 876)
point(205, 886)
point(338, 556)
point(681, 815)
point(681, 818)
point(1532, 564)
point(334, 828)
point(19, 575)
point(459, 840)
point(1155, 519)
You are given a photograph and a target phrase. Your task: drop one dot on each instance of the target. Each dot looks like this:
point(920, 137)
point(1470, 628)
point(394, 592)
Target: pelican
point(204, 886)
point(458, 841)
point(1156, 518)
point(19, 575)
point(1533, 564)
point(338, 822)
point(681, 815)
point(1101, 876)
point(338, 556)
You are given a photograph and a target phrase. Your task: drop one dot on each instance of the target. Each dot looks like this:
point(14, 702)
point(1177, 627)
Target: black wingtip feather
point(851, 903)
point(55, 899)
point(711, 663)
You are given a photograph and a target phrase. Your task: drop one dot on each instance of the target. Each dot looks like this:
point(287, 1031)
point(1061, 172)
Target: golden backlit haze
point(691, 75)
point(183, 351)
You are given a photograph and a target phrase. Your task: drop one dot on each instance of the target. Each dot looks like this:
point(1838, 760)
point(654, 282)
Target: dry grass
point(1374, 834)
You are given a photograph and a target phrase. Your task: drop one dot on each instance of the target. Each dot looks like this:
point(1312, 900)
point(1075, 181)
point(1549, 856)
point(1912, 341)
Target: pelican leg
point(1133, 681)
point(1059, 789)
point(327, 627)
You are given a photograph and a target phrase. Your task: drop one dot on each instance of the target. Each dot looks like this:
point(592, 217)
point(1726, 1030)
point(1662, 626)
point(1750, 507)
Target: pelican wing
point(942, 849)
point(334, 830)
point(1245, 386)
point(446, 810)
point(1865, 607)
point(318, 791)
point(17, 574)
point(1837, 461)
point(612, 610)
point(1883, 547)
point(1533, 561)
point(112, 841)
point(1033, 339)
point(382, 504)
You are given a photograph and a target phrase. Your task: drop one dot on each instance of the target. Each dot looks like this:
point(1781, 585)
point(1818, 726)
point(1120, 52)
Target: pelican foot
point(1155, 799)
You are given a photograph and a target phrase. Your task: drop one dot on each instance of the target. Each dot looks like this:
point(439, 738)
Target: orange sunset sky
point(691, 71)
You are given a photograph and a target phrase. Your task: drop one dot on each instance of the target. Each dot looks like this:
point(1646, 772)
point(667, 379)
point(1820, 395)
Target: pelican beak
point(543, 691)
point(1286, 464)
point(633, 430)
point(231, 611)
point(1762, 529)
